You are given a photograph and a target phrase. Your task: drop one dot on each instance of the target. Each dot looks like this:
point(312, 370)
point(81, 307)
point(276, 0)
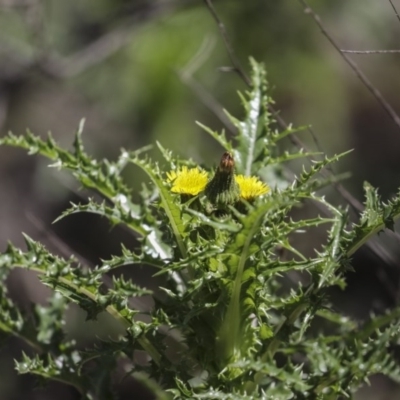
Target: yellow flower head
point(188, 181)
point(251, 187)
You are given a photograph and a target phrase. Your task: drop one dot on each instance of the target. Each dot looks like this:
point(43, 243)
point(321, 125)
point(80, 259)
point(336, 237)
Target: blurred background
point(146, 70)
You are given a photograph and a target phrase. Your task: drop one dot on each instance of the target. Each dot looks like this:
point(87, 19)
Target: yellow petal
point(251, 187)
point(188, 181)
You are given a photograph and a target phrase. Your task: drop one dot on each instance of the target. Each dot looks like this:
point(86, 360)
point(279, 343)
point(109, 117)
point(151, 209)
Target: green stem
point(230, 329)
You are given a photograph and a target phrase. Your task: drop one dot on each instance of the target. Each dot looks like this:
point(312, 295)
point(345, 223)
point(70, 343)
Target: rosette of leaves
point(237, 333)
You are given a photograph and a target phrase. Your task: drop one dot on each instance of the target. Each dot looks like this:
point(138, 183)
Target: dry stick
point(367, 83)
point(394, 8)
point(207, 99)
point(235, 62)
point(370, 51)
point(185, 75)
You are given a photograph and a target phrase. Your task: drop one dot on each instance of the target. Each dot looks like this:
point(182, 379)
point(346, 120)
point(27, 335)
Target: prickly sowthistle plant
point(244, 332)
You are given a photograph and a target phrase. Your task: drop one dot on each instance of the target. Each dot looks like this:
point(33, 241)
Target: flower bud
point(223, 190)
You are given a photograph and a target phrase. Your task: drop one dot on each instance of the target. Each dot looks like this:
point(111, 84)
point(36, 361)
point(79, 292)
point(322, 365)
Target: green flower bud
point(223, 190)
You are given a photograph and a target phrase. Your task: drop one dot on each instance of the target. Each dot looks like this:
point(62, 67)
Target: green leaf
point(64, 368)
point(252, 145)
point(169, 203)
point(376, 217)
point(102, 176)
point(219, 137)
point(129, 257)
point(14, 322)
point(76, 284)
point(239, 251)
point(116, 214)
point(50, 323)
point(292, 378)
point(333, 257)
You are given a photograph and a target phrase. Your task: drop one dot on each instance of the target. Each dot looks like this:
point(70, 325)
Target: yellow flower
point(188, 181)
point(251, 187)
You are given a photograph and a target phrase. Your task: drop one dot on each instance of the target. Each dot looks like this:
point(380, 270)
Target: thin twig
point(186, 76)
point(395, 11)
point(235, 62)
point(207, 99)
point(370, 51)
point(93, 54)
point(367, 83)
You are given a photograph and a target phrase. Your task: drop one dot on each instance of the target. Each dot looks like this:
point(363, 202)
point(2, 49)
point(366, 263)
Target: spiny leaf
point(64, 368)
point(286, 156)
point(333, 252)
point(50, 324)
point(376, 217)
point(76, 284)
point(214, 222)
point(251, 140)
point(239, 251)
point(102, 176)
point(116, 214)
point(129, 257)
point(377, 323)
point(168, 155)
point(293, 378)
point(373, 206)
point(168, 202)
point(277, 136)
point(306, 176)
point(219, 137)
point(14, 322)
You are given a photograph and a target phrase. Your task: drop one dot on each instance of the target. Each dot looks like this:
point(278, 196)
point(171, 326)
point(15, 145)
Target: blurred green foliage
point(139, 87)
